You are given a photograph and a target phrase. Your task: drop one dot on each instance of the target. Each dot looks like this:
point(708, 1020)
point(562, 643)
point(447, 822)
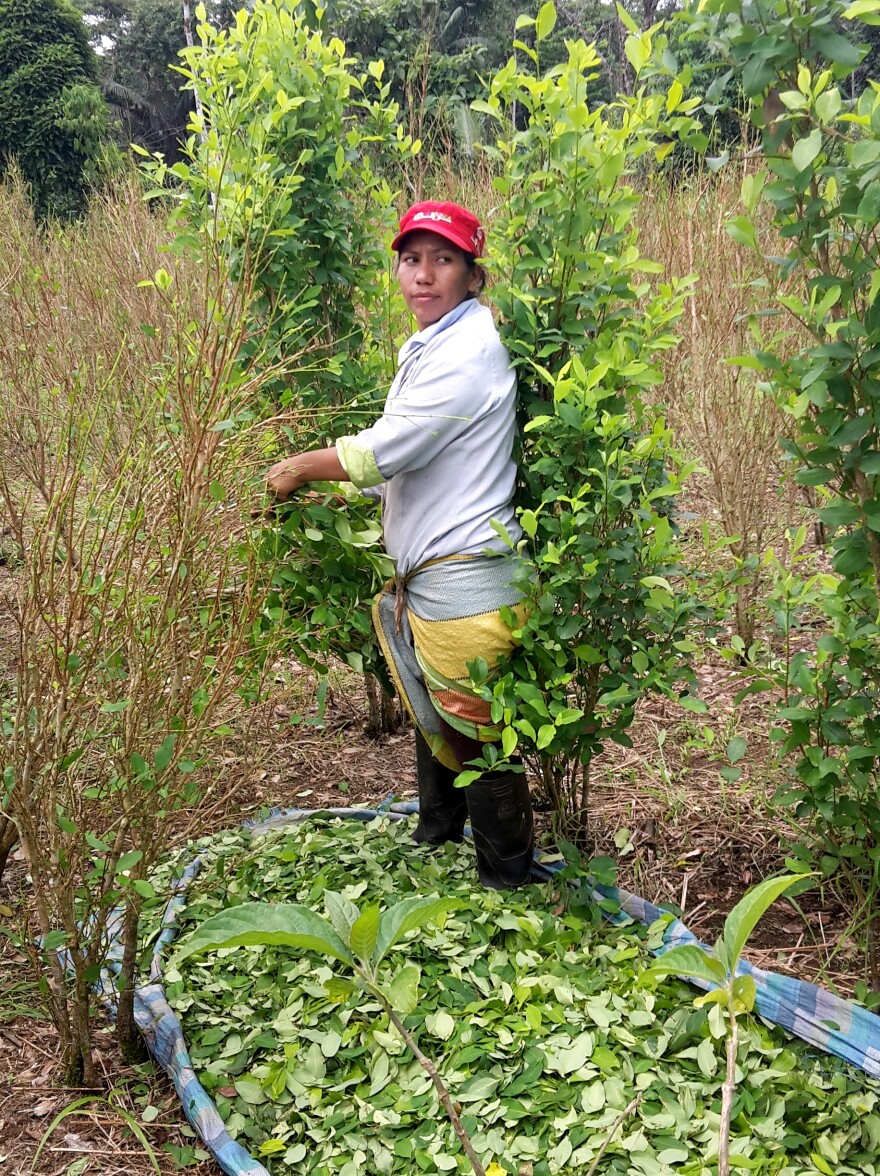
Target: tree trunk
point(382, 713)
point(127, 1033)
point(390, 713)
point(8, 838)
point(625, 76)
point(83, 1060)
point(585, 794)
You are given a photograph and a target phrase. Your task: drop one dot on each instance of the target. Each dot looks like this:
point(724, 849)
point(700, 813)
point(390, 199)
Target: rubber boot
point(442, 807)
point(503, 828)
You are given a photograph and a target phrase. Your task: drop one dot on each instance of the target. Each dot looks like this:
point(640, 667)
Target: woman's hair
point(474, 265)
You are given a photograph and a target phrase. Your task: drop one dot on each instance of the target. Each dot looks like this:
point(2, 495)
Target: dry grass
point(720, 412)
point(136, 599)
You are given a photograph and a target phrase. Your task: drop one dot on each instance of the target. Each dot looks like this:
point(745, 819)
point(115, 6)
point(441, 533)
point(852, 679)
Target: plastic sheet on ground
point(825, 1021)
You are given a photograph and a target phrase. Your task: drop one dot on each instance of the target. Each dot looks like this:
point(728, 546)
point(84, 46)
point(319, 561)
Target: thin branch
point(439, 1086)
point(624, 1114)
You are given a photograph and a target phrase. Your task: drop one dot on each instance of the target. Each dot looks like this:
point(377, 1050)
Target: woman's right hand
point(285, 478)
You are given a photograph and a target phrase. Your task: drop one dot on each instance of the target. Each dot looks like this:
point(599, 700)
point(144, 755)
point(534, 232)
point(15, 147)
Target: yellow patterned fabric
point(451, 616)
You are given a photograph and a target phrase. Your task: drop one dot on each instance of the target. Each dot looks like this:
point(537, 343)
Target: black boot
point(442, 807)
point(501, 818)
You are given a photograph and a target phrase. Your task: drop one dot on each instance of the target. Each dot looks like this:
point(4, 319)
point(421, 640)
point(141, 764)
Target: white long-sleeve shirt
point(442, 449)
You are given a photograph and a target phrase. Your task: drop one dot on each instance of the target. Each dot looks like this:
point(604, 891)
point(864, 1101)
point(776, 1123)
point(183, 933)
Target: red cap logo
point(448, 220)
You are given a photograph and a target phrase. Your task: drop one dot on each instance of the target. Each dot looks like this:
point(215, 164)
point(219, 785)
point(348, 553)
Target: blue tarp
point(827, 1022)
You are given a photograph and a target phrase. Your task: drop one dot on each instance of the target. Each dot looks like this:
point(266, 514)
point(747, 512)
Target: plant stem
point(727, 1092)
point(439, 1086)
point(627, 1110)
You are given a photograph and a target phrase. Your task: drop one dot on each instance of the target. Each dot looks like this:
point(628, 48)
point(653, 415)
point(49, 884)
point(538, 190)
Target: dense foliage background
point(52, 118)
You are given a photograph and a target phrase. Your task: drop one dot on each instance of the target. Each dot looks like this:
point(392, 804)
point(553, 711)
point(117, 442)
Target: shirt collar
point(420, 338)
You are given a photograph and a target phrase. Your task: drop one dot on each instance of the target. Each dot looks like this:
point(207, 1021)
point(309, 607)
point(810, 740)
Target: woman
point(440, 460)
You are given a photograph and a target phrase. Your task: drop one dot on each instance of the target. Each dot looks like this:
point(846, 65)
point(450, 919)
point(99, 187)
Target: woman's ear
point(478, 280)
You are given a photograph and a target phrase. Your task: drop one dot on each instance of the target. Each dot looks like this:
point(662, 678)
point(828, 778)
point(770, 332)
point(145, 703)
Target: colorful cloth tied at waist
point(442, 616)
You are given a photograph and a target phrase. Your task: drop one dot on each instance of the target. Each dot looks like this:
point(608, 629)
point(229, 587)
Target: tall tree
point(52, 118)
point(137, 43)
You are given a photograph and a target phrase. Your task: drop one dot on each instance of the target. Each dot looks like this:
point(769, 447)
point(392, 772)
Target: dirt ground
point(679, 833)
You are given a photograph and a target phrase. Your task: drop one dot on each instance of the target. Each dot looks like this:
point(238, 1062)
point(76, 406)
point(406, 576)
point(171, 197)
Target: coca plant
point(586, 327)
point(820, 180)
point(286, 167)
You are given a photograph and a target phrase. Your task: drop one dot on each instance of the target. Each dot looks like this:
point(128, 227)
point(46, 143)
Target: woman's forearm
point(318, 465)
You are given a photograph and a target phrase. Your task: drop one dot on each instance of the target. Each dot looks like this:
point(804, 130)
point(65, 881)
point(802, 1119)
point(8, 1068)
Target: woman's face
point(434, 276)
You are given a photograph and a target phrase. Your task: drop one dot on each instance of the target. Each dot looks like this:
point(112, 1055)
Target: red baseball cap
point(448, 220)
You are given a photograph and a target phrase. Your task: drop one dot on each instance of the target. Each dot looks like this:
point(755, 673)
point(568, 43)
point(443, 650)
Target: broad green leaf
point(486, 108)
point(656, 582)
point(128, 860)
point(566, 1059)
point(529, 521)
point(113, 708)
point(364, 932)
point(546, 21)
point(861, 9)
point(546, 732)
point(718, 996)
point(673, 1155)
point(343, 914)
point(707, 1058)
point(257, 924)
point(626, 19)
point(757, 75)
point(330, 1043)
point(674, 96)
point(822, 1164)
point(744, 917)
point(440, 1024)
point(571, 714)
point(165, 753)
point(836, 49)
point(403, 991)
point(687, 960)
point(688, 702)
point(476, 1089)
point(338, 989)
point(743, 231)
point(736, 749)
point(805, 150)
point(407, 916)
point(272, 1147)
point(637, 49)
point(744, 992)
point(463, 779)
point(250, 1091)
